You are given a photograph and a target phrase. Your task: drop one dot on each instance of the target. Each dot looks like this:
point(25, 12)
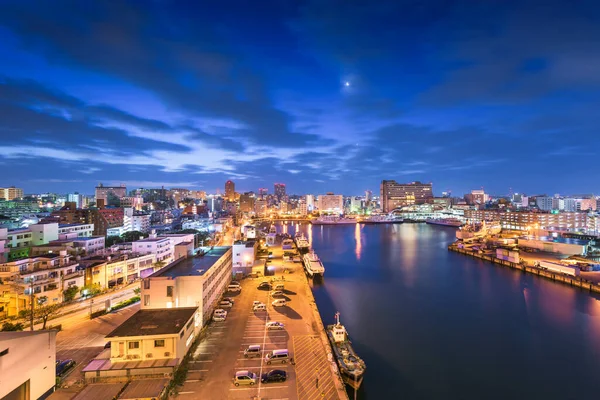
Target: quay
point(312, 375)
point(574, 281)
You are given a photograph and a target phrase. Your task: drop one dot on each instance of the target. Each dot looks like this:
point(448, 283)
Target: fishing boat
point(352, 367)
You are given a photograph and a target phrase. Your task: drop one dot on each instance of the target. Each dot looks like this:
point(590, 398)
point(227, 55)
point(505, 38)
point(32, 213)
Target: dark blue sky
point(500, 94)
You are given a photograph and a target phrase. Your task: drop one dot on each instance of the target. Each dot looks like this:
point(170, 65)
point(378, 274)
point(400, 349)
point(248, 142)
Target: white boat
point(445, 222)
point(302, 243)
point(333, 220)
point(287, 244)
point(381, 219)
point(313, 265)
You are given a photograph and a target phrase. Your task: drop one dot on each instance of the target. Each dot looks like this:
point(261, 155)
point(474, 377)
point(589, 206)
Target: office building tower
point(280, 191)
point(230, 190)
point(76, 198)
point(330, 202)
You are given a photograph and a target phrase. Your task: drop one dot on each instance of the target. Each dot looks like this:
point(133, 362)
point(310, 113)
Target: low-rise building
point(79, 246)
point(151, 342)
point(244, 255)
point(192, 282)
point(116, 269)
point(161, 247)
point(47, 276)
point(69, 231)
point(27, 364)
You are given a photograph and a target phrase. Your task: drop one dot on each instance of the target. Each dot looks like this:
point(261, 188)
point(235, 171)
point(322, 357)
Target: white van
point(277, 356)
point(234, 288)
point(278, 303)
point(259, 307)
point(280, 286)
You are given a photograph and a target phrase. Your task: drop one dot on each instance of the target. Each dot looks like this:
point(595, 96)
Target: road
point(220, 354)
point(80, 310)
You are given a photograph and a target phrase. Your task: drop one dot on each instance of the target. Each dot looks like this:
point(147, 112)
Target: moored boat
point(445, 222)
point(352, 367)
point(313, 265)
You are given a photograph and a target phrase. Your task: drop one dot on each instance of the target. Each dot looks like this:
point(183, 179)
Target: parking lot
point(221, 353)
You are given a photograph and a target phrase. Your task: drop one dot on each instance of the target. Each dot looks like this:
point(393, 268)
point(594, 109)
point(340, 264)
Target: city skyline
point(322, 97)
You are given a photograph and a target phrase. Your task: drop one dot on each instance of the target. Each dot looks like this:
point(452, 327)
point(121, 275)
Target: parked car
point(234, 288)
point(229, 299)
point(259, 307)
point(277, 293)
point(253, 351)
point(279, 303)
point(220, 311)
point(275, 375)
point(244, 378)
point(274, 325)
point(219, 317)
point(225, 304)
point(63, 366)
point(264, 286)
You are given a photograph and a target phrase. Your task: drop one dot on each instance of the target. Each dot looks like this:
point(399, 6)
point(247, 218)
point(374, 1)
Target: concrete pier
point(566, 279)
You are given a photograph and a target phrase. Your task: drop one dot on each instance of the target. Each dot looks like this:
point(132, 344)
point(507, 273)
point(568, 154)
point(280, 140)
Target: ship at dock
point(352, 367)
point(313, 265)
point(445, 222)
point(381, 219)
point(302, 243)
point(332, 220)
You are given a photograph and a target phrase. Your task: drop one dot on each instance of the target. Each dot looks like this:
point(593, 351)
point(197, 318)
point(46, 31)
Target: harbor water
point(434, 324)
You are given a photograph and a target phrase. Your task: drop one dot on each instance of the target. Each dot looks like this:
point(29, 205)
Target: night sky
point(321, 95)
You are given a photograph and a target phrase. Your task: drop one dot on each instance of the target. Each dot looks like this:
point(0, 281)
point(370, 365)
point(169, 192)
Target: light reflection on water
point(434, 324)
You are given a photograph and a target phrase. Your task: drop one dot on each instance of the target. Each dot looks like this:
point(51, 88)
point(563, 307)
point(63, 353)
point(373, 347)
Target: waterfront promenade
point(219, 355)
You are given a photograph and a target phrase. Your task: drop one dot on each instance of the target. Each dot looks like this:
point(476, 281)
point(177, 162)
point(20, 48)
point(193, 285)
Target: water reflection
point(357, 239)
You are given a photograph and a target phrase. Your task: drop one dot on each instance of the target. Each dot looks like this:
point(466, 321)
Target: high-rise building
point(395, 194)
point(262, 192)
point(110, 194)
point(331, 203)
point(75, 198)
point(260, 207)
point(302, 209)
point(230, 190)
point(310, 202)
point(247, 202)
point(11, 193)
point(280, 191)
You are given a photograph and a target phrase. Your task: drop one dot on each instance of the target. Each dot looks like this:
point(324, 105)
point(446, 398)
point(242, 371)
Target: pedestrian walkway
point(314, 379)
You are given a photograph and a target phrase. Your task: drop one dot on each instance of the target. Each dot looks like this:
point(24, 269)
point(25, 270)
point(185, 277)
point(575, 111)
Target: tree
point(159, 264)
point(70, 293)
point(9, 326)
point(133, 236)
point(90, 290)
point(44, 312)
point(112, 240)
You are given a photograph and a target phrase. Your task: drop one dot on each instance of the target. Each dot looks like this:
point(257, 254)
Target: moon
point(347, 84)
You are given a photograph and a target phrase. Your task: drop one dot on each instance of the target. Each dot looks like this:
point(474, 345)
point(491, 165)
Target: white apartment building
point(191, 282)
point(68, 231)
point(310, 202)
point(140, 222)
point(109, 271)
point(162, 247)
point(35, 235)
point(303, 208)
point(244, 255)
point(46, 275)
point(331, 203)
point(27, 364)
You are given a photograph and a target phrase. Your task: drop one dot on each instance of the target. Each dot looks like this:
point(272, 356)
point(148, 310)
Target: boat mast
point(337, 318)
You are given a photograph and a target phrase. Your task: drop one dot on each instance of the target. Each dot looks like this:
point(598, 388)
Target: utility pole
point(91, 304)
point(31, 301)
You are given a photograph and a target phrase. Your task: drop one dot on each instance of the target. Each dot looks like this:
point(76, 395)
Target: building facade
point(395, 194)
point(11, 193)
point(331, 203)
point(280, 191)
point(109, 194)
point(27, 364)
point(230, 190)
point(191, 282)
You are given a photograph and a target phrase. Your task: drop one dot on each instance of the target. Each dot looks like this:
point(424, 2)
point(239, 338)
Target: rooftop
point(70, 225)
point(194, 266)
point(165, 321)
point(156, 239)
